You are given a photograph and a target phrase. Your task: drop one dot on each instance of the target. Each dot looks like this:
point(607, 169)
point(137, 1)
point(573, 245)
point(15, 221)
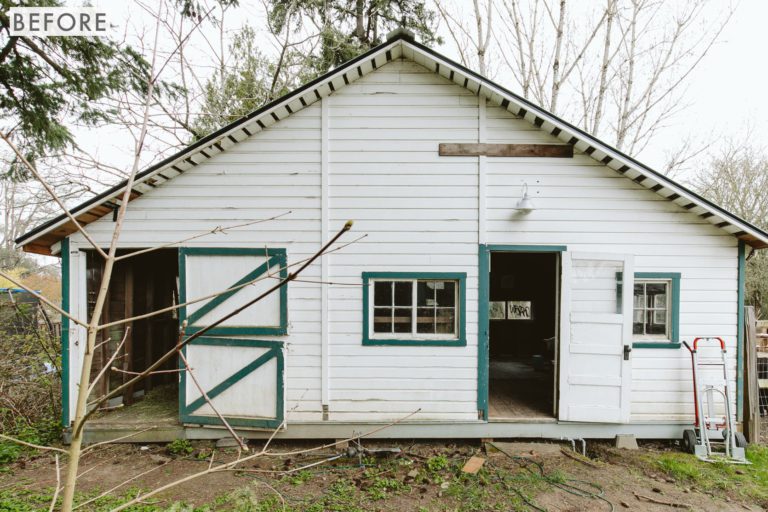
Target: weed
point(203, 454)
point(341, 496)
point(246, 500)
point(437, 463)
point(380, 488)
point(179, 447)
point(299, 477)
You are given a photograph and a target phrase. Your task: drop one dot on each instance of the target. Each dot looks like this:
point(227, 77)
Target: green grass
point(28, 500)
point(745, 481)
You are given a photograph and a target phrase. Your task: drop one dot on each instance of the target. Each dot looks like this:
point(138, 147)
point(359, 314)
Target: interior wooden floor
point(516, 390)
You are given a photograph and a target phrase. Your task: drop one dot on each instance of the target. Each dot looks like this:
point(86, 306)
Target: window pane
point(660, 317)
point(639, 300)
point(446, 321)
point(382, 293)
point(656, 292)
point(425, 293)
point(446, 293)
point(656, 328)
point(402, 322)
point(637, 321)
point(382, 319)
point(425, 321)
point(403, 293)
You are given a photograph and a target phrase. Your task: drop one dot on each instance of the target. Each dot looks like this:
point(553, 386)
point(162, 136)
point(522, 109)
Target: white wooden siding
point(276, 171)
point(588, 207)
point(420, 212)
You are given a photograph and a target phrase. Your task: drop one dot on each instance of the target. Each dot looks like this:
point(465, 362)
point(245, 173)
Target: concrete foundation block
point(626, 442)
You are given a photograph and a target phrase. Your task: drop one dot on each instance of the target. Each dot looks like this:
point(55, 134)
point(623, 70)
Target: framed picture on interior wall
point(497, 310)
point(519, 310)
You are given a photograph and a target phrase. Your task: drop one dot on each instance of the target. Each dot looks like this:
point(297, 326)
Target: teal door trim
point(65, 271)
point(275, 351)
point(484, 297)
point(276, 257)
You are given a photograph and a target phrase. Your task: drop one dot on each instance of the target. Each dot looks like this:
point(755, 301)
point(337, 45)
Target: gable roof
point(400, 44)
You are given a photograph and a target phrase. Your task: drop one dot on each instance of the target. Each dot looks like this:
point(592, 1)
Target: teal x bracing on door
point(242, 377)
point(242, 403)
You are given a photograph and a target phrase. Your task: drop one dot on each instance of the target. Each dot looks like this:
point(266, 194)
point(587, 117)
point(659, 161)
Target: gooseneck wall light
point(525, 204)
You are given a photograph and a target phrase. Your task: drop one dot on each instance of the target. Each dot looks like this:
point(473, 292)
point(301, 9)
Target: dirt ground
point(423, 476)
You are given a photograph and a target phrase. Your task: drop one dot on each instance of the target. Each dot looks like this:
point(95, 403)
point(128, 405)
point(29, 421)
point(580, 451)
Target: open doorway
point(523, 317)
point(139, 285)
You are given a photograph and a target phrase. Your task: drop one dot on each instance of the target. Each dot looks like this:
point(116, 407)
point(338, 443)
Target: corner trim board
point(740, 331)
point(65, 305)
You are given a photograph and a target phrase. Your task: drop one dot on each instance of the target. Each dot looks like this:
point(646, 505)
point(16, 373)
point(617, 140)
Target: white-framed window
point(410, 308)
point(415, 307)
point(652, 309)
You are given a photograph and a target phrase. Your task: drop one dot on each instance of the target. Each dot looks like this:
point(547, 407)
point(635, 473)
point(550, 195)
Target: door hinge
point(627, 350)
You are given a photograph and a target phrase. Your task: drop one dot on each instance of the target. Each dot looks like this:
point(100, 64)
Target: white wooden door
point(243, 376)
point(596, 337)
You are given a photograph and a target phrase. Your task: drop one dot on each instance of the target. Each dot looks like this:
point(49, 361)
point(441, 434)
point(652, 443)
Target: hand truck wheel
point(689, 441)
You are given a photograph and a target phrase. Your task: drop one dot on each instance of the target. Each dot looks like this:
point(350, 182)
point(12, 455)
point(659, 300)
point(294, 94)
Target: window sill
point(411, 342)
point(657, 344)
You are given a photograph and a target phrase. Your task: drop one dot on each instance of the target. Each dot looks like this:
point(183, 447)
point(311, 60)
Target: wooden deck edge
point(420, 430)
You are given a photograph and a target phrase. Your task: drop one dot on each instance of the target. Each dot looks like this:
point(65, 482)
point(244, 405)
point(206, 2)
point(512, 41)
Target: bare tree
point(473, 43)
point(619, 70)
point(139, 126)
point(737, 179)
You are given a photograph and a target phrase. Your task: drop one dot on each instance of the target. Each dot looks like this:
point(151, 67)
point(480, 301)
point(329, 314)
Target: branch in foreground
point(263, 451)
point(217, 229)
point(182, 342)
point(52, 193)
point(42, 298)
point(121, 438)
point(216, 294)
point(31, 445)
point(58, 486)
point(110, 360)
point(191, 374)
point(113, 489)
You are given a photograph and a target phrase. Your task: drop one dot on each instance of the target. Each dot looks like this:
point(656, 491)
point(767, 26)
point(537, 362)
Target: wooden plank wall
point(420, 212)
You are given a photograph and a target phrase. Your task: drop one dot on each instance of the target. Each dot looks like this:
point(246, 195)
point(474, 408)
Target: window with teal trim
point(414, 308)
point(655, 309)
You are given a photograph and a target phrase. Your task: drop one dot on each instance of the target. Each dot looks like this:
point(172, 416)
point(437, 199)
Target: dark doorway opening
point(139, 285)
point(523, 317)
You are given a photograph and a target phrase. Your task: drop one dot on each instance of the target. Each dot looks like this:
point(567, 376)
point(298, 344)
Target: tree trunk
point(360, 21)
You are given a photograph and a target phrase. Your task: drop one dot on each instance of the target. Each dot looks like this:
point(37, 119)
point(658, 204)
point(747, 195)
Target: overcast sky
point(729, 90)
point(725, 94)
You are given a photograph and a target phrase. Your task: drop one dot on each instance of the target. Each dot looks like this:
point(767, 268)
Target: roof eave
point(324, 85)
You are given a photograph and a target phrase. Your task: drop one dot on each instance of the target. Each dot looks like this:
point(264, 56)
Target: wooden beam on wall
point(507, 150)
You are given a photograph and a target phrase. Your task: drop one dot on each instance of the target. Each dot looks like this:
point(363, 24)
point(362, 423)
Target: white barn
point(475, 312)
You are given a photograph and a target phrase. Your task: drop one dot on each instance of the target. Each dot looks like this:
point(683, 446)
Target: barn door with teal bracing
point(242, 376)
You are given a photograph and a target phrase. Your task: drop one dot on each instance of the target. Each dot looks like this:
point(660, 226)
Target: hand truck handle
point(696, 341)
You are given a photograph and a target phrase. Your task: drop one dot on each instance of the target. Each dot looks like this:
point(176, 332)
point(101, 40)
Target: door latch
point(627, 350)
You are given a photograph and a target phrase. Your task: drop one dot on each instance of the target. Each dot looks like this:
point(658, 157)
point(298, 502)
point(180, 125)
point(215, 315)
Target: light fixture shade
point(525, 205)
